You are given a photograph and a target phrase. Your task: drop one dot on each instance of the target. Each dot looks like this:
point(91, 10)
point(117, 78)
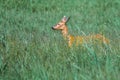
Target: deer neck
point(65, 32)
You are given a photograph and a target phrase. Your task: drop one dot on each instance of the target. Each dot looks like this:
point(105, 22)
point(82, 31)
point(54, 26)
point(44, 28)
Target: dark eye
point(58, 24)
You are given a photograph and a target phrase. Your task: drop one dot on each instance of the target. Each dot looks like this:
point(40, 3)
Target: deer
point(77, 40)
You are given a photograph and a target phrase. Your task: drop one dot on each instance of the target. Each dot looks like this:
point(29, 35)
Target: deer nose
point(53, 28)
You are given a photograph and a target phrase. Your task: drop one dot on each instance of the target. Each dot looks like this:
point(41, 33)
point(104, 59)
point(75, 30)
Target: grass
point(31, 50)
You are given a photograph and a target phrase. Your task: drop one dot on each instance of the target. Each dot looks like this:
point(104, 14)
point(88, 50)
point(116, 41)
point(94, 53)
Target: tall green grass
point(31, 50)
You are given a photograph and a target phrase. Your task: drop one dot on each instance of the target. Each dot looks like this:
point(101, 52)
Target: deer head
point(62, 24)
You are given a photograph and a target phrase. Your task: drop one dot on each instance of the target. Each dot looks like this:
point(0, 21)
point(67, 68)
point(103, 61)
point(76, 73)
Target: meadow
point(31, 50)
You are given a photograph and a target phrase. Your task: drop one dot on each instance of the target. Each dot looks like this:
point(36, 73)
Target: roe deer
point(77, 39)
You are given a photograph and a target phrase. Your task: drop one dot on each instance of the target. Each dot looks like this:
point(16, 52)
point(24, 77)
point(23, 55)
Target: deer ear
point(68, 19)
point(65, 19)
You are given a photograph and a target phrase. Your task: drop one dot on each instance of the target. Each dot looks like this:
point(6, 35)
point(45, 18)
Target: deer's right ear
point(68, 19)
point(65, 19)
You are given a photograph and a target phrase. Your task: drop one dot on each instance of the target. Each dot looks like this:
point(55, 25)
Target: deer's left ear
point(65, 19)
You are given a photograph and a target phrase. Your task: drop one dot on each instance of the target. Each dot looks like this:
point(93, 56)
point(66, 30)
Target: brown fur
point(77, 39)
